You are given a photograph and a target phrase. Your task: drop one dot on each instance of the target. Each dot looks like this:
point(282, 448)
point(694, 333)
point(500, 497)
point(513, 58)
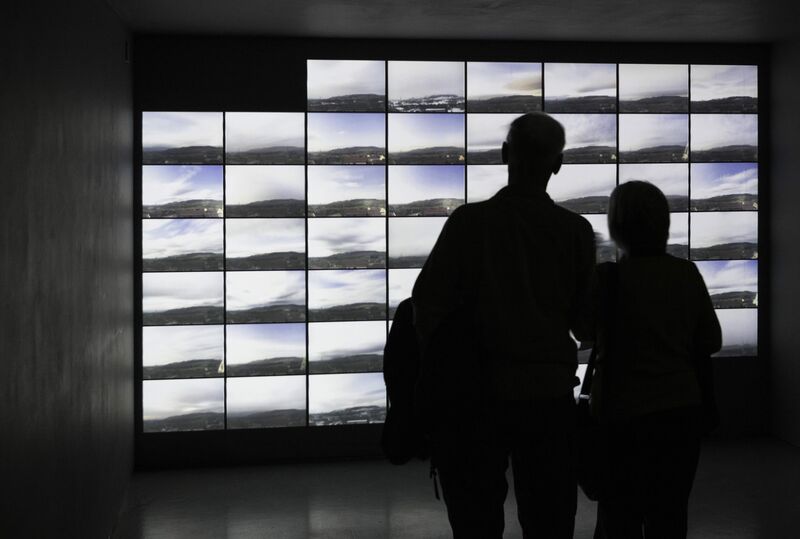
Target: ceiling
point(563, 20)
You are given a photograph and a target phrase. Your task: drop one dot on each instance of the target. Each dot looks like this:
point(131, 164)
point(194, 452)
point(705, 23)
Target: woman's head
point(638, 218)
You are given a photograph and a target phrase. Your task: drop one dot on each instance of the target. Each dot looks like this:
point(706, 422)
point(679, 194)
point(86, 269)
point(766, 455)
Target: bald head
point(533, 148)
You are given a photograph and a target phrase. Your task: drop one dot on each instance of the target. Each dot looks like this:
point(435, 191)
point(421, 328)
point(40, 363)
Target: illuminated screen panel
point(277, 246)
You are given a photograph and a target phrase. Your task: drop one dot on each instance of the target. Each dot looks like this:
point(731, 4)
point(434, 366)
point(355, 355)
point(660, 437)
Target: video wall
point(276, 246)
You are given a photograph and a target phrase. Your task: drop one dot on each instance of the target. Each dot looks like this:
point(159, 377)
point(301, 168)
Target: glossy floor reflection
point(746, 489)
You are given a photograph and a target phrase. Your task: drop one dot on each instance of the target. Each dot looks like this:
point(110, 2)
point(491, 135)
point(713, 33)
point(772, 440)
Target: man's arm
point(438, 287)
point(582, 315)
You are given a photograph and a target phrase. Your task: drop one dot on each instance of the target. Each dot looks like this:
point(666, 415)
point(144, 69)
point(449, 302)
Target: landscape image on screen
point(504, 87)
point(653, 138)
point(183, 352)
point(346, 399)
point(591, 138)
point(426, 139)
point(724, 137)
point(724, 187)
point(265, 244)
point(339, 347)
point(265, 191)
point(583, 188)
point(341, 295)
point(182, 245)
point(346, 243)
point(653, 88)
point(724, 88)
point(732, 284)
point(265, 138)
point(266, 402)
point(181, 138)
point(346, 85)
point(401, 283)
point(739, 332)
point(346, 138)
point(425, 190)
point(426, 86)
point(678, 240)
point(671, 178)
point(182, 298)
point(725, 236)
point(346, 191)
point(175, 191)
point(266, 349)
point(580, 87)
point(485, 136)
point(265, 296)
point(411, 240)
point(483, 181)
point(183, 405)
point(606, 251)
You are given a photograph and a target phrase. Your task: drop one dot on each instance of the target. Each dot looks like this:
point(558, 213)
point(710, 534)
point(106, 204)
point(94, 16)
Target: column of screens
point(274, 308)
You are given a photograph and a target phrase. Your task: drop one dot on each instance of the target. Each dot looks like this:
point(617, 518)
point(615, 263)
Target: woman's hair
point(638, 218)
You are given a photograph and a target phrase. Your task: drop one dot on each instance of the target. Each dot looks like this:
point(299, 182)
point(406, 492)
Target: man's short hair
point(638, 218)
point(535, 137)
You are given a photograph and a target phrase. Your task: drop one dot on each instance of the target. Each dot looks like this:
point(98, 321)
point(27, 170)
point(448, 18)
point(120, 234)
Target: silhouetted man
point(523, 266)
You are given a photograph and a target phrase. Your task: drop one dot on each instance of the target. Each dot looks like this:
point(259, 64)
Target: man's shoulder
point(570, 218)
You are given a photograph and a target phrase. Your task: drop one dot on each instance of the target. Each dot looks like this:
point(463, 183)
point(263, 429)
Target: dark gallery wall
point(66, 323)
point(785, 240)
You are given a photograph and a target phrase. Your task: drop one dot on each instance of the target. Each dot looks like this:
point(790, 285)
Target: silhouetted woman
point(656, 330)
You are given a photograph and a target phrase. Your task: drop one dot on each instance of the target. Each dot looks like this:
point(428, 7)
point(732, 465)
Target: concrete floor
point(745, 489)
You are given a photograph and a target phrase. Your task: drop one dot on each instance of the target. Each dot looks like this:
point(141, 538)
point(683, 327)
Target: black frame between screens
point(163, 63)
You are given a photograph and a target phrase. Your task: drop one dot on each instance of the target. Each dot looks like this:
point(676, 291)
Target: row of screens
point(277, 191)
point(352, 243)
point(353, 85)
point(344, 138)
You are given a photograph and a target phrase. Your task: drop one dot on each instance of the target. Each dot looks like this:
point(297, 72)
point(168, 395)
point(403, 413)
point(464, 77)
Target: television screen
point(483, 181)
point(724, 137)
point(591, 138)
point(183, 352)
point(340, 347)
point(265, 138)
point(504, 87)
point(266, 402)
point(174, 191)
point(583, 188)
point(426, 139)
point(184, 138)
point(346, 399)
point(265, 191)
point(653, 138)
point(183, 405)
point(265, 349)
point(425, 190)
point(346, 243)
point(485, 136)
point(172, 298)
point(671, 178)
point(653, 88)
point(276, 246)
point(732, 284)
point(340, 295)
point(346, 85)
point(265, 244)
point(344, 138)
point(182, 245)
point(254, 297)
point(426, 87)
point(580, 87)
point(724, 186)
point(724, 88)
point(346, 191)
point(724, 236)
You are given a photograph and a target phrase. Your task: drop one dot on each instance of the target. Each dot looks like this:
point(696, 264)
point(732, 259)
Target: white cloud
point(579, 80)
point(165, 291)
point(588, 129)
point(671, 178)
point(493, 79)
point(251, 289)
point(401, 283)
point(329, 288)
point(639, 81)
point(576, 181)
point(638, 131)
point(717, 228)
point(414, 131)
point(718, 130)
point(720, 81)
point(333, 78)
point(330, 130)
point(162, 184)
point(488, 131)
point(329, 392)
point(252, 342)
point(410, 183)
point(253, 130)
point(716, 179)
point(163, 345)
point(723, 276)
point(413, 236)
point(483, 181)
point(181, 129)
point(331, 236)
point(247, 237)
point(265, 393)
point(409, 80)
point(167, 398)
point(330, 183)
point(170, 237)
point(254, 183)
point(329, 340)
